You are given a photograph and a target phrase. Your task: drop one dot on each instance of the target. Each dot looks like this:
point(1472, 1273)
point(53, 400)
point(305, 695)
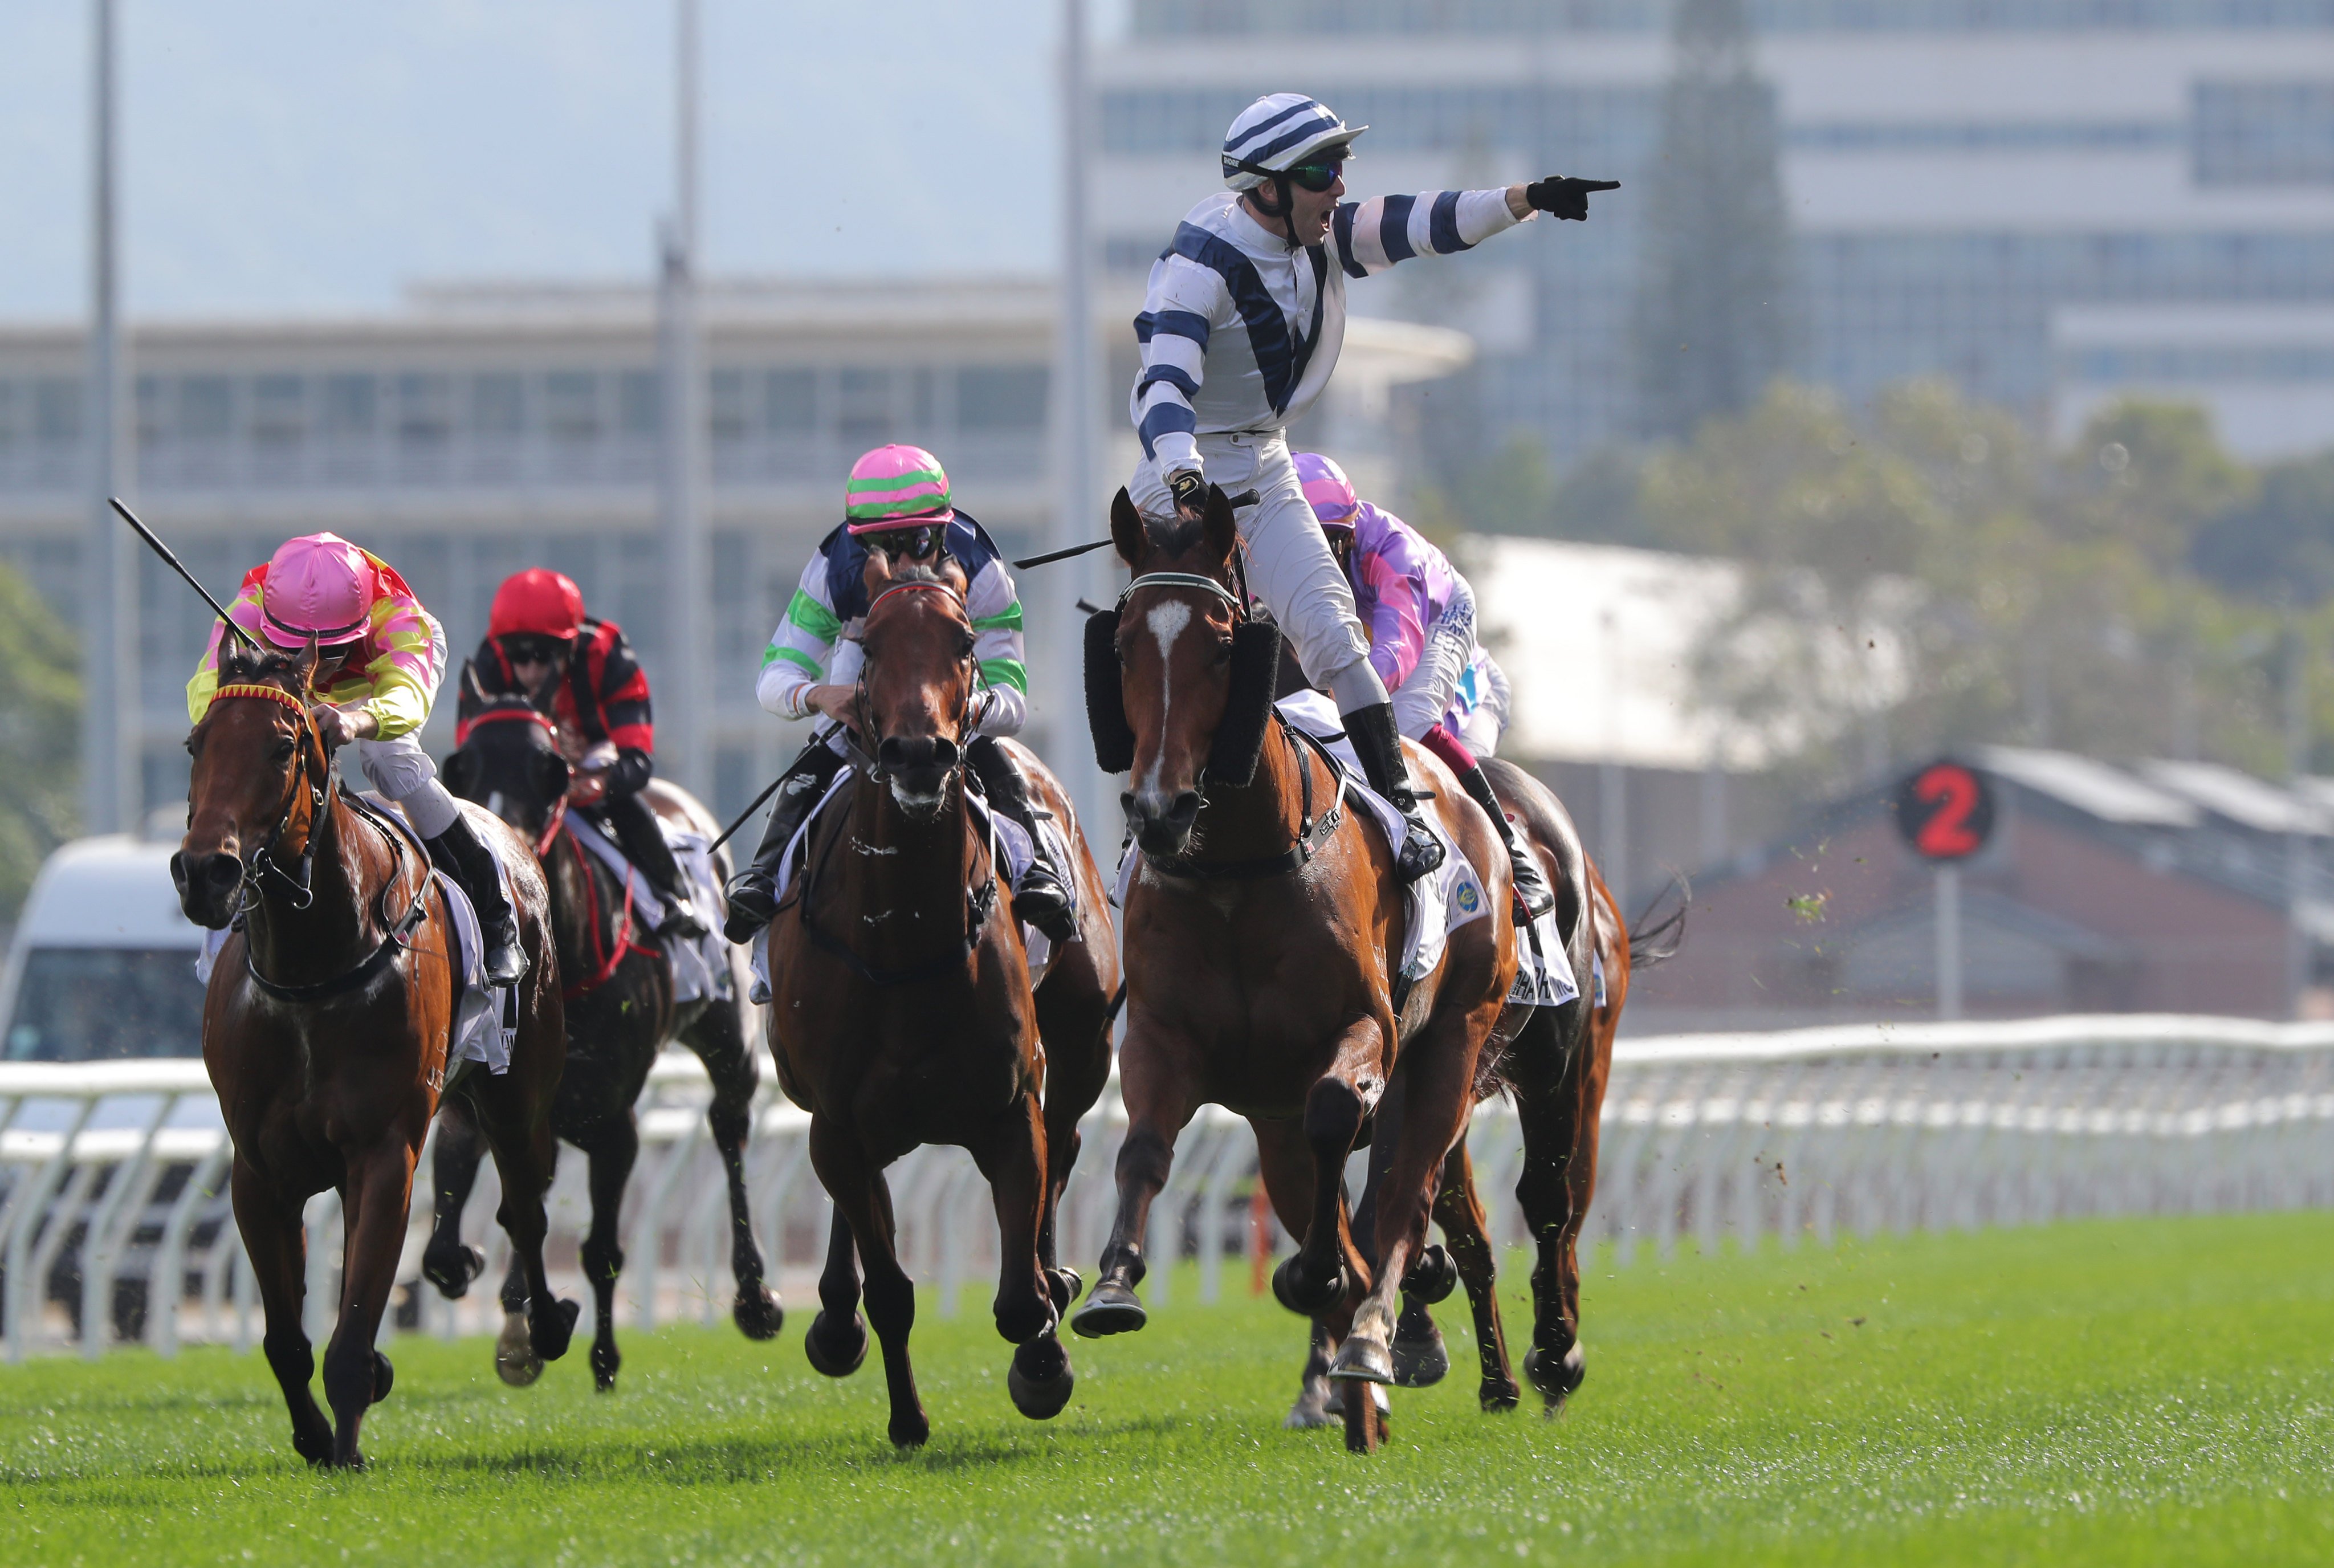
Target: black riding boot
point(643, 841)
point(462, 853)
point(1372, 731)
point(1043, 898)
point(752, 894)
point(1532, 890)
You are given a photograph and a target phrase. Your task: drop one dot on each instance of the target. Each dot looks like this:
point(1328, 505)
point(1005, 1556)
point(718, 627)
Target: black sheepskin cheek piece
point(1248, 706)
point(1114, 739)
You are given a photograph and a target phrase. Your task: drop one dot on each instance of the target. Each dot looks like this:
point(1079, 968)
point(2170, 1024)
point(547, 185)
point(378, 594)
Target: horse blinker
point(1114, 738)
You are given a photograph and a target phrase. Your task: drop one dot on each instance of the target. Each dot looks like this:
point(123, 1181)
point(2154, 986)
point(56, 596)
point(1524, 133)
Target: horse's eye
point(284, 749)
point(965, 651)
point(1220, 652)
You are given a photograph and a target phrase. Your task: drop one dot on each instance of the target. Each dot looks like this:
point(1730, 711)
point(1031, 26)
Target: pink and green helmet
point(897, 487)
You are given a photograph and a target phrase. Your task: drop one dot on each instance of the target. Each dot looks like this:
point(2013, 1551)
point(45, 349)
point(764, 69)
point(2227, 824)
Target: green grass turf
point(2113, 1393)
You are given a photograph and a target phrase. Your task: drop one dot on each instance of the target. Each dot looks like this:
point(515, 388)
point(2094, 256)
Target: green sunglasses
point(1315, 176)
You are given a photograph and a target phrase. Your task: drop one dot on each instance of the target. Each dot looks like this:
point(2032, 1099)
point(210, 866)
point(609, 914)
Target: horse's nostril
point(1185, 809)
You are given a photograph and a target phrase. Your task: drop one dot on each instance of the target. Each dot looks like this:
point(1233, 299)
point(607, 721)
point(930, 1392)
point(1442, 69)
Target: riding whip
point(173, 562)
point(756, 803)
point(1027, 562)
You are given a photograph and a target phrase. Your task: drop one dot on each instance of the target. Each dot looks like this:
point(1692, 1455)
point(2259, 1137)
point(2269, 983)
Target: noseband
point(867, 727)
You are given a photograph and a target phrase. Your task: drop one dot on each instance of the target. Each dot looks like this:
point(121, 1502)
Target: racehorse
point(326, 1029)
point(1263, 940)
point(1554, 1069)
point(620, 1012)
point(902, 1011)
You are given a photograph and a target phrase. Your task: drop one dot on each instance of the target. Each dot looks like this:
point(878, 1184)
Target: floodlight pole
point(684, 708)
point(1949, 942)
point(113, 707)
point(2297, 838)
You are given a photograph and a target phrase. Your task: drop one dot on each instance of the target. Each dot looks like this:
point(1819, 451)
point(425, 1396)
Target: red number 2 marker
point(1946, 834)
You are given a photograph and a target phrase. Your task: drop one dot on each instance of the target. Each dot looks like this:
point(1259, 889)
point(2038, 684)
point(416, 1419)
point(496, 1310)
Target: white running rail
point(112, 1175)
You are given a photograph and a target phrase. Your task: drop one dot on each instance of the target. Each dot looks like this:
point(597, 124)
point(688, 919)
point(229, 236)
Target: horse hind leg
point(448, 1262)
point(1460, 1210)
point(276, 1242)
point(526, 1155)
point(720, 1042)
point(612, 1147)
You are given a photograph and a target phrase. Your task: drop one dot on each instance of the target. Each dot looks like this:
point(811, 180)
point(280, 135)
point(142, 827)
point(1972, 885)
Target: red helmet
point(537, 602)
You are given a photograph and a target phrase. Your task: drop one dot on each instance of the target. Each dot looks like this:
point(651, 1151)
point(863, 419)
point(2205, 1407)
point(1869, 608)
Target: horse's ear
point(1247, 704)
point(1114, 738)
point(1216, 525)
point(459, 771)
point(303, 667)
point(1126, 529)
point(471, 685)
point(876, 575)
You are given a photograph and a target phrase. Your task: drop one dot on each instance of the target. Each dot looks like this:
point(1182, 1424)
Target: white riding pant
point(1482, 729)
point(1421, 699)
point(403, 772)
point(1289, 564)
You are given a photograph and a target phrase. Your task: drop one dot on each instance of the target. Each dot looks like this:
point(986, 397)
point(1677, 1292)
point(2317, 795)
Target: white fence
point(111, 1175)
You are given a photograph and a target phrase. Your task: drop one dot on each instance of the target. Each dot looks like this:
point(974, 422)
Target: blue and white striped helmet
point(1278, 131)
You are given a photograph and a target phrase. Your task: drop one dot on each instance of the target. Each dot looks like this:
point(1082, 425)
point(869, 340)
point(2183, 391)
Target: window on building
point(206, 407)
point(726, 414)
point(498, 405)
point(2264, 132)
point(350, 406)
point(571, 404)
point(640, 412)
point(1000, 399)
point(11, 434)
point(790, 402)
point(425, 410)
point(279, 410)
point(57, 410)
point(863, 414)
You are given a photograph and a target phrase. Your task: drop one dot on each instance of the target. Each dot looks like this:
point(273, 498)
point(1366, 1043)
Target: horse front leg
point(448, 1262)
point(837, 1342)
point(1159, 1101)
point(374, 1208)
point(863, 1201)
point(1327, 1266)
point(1284, 1163)
point(611, 1147)
point(1075, 1025)
point(1013, 1159)
point(276, 1241)
point(720, 1041)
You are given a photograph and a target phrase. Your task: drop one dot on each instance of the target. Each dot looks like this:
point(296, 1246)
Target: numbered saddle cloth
point(701, 966)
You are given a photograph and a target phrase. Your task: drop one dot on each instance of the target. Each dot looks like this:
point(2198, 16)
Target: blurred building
point(483, 429)
point(2052, 201)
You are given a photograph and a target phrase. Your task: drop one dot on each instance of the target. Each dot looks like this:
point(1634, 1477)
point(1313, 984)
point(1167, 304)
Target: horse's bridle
point(866, 755)
point(557, 816)
point(262, 867)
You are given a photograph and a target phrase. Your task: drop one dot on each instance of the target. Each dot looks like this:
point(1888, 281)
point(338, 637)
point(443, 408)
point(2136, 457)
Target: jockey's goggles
point(533, 647)
point(1316, 178)
point(915, 543)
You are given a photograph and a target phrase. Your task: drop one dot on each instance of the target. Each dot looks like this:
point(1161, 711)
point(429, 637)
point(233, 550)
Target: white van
point(102, 964)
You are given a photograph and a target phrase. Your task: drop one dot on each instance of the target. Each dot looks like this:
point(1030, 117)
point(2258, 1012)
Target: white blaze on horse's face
point(1168, 620)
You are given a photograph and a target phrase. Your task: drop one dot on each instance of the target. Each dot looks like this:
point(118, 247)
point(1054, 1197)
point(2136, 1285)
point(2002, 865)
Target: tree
point(2279, 546)
point(1714, 320)
point(40, 736)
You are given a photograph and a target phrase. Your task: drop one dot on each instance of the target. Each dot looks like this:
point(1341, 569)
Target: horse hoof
point(759, 1315)
point(1041, 1390)
point(909, 1433)
point(314, 1446)
point(1432, 1277)
point(550, 1333)
point(384, 1377)
point(836, 1361)
point(1362, 1360)
point(1063, 1285)
point(1419, 1363)
point(452, 1275)
point(1556, 1377)
point(606, 1361)
point(1322, 1404)
point(1112, 1309)
point(1498, 1395)
point(516, 1361)
point(1297, 1291)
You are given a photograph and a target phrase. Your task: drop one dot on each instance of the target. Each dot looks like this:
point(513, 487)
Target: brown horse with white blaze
point(1264, 935)
point(327, 1026)
point(902, 1011)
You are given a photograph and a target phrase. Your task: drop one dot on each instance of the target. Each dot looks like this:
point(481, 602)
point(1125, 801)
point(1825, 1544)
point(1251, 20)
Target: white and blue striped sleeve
point(1185, 306)
point(1372, 236)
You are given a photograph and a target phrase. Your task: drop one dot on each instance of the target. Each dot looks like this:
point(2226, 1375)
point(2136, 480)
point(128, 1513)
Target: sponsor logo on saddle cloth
point(485, 1017)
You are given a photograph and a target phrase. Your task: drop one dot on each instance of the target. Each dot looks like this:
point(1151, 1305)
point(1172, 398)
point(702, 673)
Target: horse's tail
point(1654, 941)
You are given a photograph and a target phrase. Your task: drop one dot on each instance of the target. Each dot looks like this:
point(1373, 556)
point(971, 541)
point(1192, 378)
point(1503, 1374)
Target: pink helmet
point(897, 487)
point(1329, 491)
point(318, 585)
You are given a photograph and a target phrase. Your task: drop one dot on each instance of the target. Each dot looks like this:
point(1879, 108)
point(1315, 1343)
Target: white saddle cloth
point(700, 968)
point(1009, 849)
point(480, 1033)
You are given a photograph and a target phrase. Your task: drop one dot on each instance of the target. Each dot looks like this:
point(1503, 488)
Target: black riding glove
point(630, 772)
point(1566, 196)
point(1191, 492)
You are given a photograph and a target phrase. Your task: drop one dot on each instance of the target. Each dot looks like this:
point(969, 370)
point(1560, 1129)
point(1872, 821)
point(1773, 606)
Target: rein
point(297, 890)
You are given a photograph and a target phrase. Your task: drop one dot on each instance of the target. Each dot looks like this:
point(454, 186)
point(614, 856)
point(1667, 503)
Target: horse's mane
point(1173, 535)
point(241, 665)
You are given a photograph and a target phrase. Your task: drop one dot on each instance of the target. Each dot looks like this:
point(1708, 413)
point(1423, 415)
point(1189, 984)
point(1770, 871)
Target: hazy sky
point(293, 155)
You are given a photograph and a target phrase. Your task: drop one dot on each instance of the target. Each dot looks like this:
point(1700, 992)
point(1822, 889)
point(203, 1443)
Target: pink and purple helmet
point(318, 586)
point(1329, 491)
point(897, 487)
